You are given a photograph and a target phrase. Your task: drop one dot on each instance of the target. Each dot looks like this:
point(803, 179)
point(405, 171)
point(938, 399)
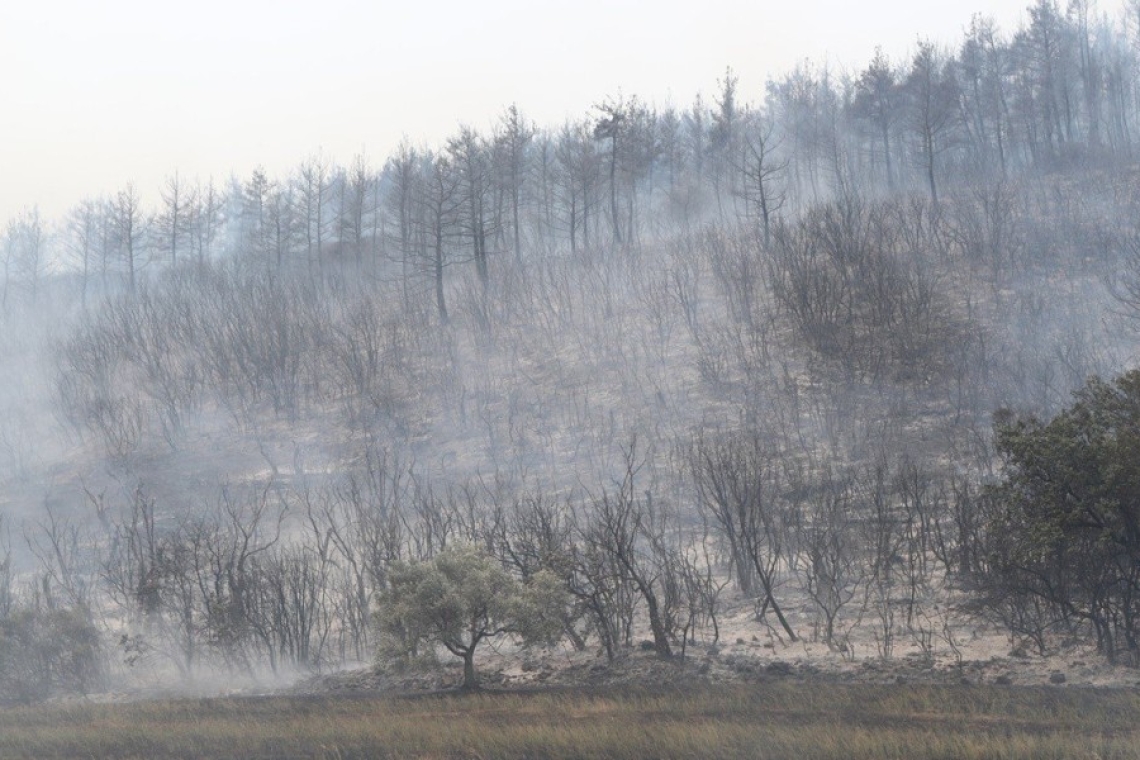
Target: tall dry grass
point(778, 720)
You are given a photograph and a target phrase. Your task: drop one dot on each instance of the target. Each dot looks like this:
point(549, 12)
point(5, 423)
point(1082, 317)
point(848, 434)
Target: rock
point(1057, 677)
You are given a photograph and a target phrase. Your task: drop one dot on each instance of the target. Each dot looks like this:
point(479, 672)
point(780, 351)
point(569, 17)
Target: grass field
point(776, 720)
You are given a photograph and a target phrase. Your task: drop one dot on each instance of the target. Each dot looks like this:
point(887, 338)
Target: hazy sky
point(96, 93)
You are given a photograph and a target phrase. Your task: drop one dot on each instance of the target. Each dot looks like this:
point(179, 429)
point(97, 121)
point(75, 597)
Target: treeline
point(845, 314)
point(1059, 91)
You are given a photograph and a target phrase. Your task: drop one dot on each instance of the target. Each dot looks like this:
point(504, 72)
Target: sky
point(98, 93)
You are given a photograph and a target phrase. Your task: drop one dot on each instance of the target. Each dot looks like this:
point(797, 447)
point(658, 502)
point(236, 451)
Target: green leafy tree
point(463, 596)
point(1063, 526)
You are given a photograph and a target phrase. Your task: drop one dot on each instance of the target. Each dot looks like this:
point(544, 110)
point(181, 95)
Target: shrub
point(46, 652)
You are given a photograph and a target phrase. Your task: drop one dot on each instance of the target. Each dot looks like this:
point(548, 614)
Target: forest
point(859, 348)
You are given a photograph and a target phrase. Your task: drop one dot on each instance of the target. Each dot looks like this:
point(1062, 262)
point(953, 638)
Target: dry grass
point(775, 720)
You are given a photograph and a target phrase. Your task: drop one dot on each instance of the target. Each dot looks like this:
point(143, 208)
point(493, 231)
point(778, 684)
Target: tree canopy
point(1064, 524)
point(461, 597)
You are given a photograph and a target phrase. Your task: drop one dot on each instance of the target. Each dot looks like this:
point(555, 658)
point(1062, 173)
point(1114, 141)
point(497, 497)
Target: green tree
point(1064, 523)
point(463, 596)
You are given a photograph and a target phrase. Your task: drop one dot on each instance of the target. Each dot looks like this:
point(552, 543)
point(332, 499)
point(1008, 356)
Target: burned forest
point(848, 363)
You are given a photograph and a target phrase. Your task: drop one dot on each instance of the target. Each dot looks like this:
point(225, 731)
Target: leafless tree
point(512, 141)
point(440, 204)
point(129, 225)
point(172, 226)
point(83, 233)
point(734, 476)
point(313, 188)
point(762, 174)
point(933, 109)
point(470, 161)
point(832, 569)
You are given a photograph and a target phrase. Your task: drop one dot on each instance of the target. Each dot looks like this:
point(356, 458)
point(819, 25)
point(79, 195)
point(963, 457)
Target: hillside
point(743, 357)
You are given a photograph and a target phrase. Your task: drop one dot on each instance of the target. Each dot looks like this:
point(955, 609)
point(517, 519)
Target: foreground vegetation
point(767, 720)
